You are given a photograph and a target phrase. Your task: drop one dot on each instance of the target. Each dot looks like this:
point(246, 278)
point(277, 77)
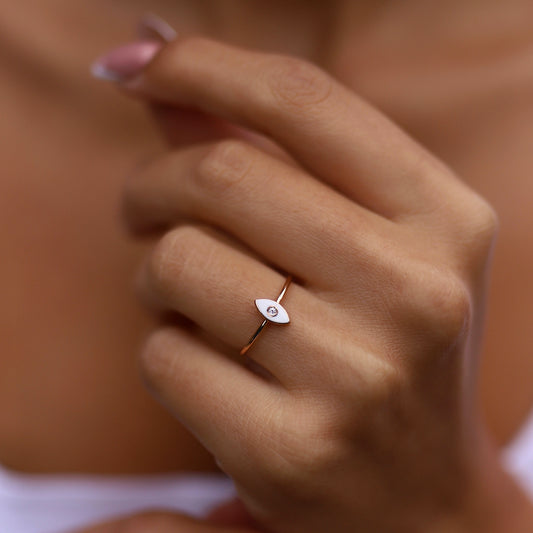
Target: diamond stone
point(272, 311)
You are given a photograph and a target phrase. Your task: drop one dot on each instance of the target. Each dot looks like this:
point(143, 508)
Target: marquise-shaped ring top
point(272, 311)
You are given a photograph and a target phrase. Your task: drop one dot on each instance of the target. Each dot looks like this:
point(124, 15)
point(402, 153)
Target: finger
point(286, 216)
point(162, 522)
point(324, 125)
point(220, 402)
point(194, 272)
point(181, 126)
point(184, 126)
point(155, 28)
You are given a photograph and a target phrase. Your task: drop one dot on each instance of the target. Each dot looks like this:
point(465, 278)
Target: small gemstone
point(272, 311)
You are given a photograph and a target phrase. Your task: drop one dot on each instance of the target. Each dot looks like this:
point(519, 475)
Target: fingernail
point(125, 61)
point(152, 25)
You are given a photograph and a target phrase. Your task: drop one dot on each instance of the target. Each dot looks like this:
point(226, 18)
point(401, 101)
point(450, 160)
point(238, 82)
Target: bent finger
point(323, 124)
point(295, 221)
point(219, 401)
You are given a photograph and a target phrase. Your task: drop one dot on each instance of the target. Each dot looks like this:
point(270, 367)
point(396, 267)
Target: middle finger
point(291, 219)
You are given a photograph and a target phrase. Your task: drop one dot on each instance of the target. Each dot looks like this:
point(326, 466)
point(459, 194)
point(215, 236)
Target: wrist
point(512, 514)
point(493, 502)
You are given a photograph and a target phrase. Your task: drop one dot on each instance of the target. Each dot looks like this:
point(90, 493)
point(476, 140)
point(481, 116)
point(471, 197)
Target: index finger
point(331, 131)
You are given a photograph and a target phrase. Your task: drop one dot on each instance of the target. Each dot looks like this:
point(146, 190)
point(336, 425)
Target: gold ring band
point(273, 312)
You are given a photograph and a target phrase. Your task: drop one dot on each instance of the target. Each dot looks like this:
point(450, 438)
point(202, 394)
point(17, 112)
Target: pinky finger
point(217, 399)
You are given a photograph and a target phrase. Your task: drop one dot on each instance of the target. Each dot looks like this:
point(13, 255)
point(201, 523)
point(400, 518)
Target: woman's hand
point(364, 419)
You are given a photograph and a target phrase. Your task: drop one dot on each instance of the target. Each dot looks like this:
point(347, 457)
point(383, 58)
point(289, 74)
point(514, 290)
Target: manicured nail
point(152, 25)
point(126, 61)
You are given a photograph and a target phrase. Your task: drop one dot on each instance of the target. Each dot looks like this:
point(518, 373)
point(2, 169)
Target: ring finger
point(194, 271)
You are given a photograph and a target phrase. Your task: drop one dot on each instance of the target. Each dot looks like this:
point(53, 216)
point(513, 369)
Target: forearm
point(514, 514)
point(494, 504)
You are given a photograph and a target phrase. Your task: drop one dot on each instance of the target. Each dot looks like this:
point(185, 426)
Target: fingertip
point(126, 61)
point(152, 25)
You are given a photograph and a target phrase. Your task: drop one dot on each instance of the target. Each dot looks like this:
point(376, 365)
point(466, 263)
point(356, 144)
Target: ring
point(273, 312)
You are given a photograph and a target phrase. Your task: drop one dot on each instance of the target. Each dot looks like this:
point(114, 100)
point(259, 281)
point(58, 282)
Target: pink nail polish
point(126, 61)
point(151, 26)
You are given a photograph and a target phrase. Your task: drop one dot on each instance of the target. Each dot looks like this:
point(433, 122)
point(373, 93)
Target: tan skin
point(445, 123)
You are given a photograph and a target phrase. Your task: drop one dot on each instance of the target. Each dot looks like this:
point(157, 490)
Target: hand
point(364, 418)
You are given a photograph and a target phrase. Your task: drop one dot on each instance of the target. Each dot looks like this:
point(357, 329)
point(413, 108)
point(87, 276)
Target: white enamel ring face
point(272, 311)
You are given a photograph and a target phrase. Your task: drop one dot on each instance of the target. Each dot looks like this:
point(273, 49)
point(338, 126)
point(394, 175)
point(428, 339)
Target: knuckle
point(439, 308)
point(301, 454)
point(154, 358)
point(449, 308)
point(224, 166)
point(388, 378)
point(170, 257)
point(483, 222)
point(474, 235)
point(298, 84)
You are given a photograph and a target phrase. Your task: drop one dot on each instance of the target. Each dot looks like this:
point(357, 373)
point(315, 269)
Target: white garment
point(61, 504)
point(518, 456)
